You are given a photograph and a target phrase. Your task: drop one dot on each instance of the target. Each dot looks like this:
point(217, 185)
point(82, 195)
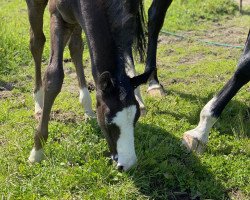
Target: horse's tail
point(140, 40)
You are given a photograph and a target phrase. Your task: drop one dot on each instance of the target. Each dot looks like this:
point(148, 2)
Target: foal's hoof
point(193, 144)
point(36, 156)
point(156, 91)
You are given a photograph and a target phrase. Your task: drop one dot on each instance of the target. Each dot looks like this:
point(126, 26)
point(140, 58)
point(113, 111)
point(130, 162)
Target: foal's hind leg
point(53, 79)
point(197, 138)
point(156, 15)
point(37, 40)
point(130, 71)
point(76, 50)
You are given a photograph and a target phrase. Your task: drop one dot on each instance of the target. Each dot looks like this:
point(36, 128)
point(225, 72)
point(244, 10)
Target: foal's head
point(117, 112)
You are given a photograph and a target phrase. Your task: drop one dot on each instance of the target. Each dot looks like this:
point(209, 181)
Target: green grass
point(76, 167)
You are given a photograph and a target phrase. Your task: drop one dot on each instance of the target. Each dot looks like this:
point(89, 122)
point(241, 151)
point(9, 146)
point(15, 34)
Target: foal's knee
point(37, 41)
point(53, 79)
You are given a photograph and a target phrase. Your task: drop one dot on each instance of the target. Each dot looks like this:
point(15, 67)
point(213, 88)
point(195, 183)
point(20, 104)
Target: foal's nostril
point(120, 168)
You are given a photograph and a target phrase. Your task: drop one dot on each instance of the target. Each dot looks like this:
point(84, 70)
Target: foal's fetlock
point(192, 143)
point(85, 100)
point(38, 97)
point(36, 155)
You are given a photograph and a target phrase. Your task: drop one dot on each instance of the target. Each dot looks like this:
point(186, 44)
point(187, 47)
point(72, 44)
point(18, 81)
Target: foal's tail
point(140, 40)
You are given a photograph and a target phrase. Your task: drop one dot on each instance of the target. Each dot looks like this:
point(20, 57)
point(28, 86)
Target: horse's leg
point(197, 138)
point(156, 15)
point(130, 71)
point(240, 7)
point(37, 40)
point(52, 82)
point(76, 50)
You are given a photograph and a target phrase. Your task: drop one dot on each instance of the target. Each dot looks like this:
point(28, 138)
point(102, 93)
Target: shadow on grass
point(236, 115)
point(166, 171)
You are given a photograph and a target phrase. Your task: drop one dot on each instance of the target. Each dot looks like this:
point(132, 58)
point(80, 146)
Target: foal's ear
point(105, 80)
point(142, 78)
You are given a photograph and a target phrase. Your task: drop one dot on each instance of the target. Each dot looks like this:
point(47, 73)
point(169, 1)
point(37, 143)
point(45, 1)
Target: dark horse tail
point(140, 40)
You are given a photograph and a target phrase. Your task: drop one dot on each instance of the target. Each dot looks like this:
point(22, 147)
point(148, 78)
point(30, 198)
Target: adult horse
point(197, 138)
point(110, 27)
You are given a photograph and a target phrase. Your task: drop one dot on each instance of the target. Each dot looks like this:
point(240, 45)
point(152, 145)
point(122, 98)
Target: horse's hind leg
point(156, 15)
point(52, 82)
point(76, 50)
point(197, 138)
point(37, 39)
point(130, 71)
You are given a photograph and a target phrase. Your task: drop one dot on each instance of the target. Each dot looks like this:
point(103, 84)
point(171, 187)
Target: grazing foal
point(197, 138)
point(110, 27)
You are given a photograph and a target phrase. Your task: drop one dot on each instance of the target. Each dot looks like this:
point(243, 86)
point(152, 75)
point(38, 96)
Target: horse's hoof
point(143, 112)
point(193, 144)
point(156, 91)
point(36, 156)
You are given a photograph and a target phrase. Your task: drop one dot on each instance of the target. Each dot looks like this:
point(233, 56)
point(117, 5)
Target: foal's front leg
point(53, 80)
point(156, 15)
point(76, 50)
point(37, 39)
point(130, 71)
point(197, 138)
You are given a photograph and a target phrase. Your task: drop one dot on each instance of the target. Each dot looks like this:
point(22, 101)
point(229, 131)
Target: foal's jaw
point(125, 143)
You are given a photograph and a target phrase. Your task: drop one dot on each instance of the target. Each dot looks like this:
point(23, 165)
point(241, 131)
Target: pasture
point(76, 164)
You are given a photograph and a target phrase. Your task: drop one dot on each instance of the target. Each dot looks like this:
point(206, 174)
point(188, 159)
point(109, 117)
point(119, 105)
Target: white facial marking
point(86, 102)
point(125, 144)
point(154, 85)
point(201, 132)
point(36, 156)
point(38, 97)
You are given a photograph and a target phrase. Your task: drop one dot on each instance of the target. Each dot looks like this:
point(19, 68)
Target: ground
point(76, 166)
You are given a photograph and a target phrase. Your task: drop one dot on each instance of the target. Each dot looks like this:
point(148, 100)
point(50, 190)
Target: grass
point(76, 167)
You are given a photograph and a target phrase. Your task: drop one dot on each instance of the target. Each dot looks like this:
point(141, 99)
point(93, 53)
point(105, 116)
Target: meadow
point(76, 165)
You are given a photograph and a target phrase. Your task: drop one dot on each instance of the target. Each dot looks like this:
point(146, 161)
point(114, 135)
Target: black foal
point(110, 27)
point(197, 138)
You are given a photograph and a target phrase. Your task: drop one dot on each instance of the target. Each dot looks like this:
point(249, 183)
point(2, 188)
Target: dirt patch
point(236, 194)
point(219, 33)
point(66, 116)
point(191, 59)
point(244, 2)
point(5, 94)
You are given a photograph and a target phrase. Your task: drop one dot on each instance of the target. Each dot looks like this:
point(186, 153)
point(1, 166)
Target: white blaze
point(125, 144)
point(201, 132)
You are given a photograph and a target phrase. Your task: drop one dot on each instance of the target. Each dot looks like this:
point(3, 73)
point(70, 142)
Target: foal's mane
point(126, 18)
